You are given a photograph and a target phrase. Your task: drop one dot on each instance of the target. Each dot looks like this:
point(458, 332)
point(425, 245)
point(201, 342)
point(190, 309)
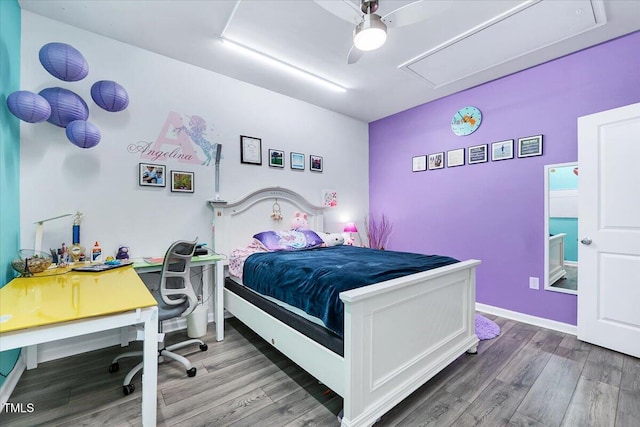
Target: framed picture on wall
point(419, 163)
point(315, 163)
point(530, 146)
point(455, 158)
point(477, 154)
point(150, 175)
point(502, 150)
point(182, 182)
point(250, 150)
point(297, 161)
point(276, 158)
point(436, 161)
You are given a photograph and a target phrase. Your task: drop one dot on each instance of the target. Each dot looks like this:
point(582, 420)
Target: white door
point(609, 229)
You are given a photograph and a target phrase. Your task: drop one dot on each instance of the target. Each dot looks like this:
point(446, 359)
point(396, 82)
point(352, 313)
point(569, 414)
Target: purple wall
point(494, 211)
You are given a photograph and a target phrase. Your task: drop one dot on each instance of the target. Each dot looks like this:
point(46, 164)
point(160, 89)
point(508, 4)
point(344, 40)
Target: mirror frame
point(547, 285)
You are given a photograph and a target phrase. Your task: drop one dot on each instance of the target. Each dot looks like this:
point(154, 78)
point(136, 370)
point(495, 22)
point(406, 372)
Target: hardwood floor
point(528, 376)
point(570, 280)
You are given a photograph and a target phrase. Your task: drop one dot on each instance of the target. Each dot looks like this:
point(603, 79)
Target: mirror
point(561, 227)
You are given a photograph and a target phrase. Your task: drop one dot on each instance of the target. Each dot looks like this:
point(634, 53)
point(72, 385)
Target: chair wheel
point(128, 389)
point(204, 347)
point(114, 367)
point(191, 372)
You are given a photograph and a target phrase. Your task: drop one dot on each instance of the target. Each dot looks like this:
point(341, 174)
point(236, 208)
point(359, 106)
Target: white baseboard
point(526, 318)
point(571, 263)
point(11, 381)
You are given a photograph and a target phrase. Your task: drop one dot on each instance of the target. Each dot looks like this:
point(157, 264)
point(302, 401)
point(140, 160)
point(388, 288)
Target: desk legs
point(150, 369)
point(219, 300)
point(31, 355)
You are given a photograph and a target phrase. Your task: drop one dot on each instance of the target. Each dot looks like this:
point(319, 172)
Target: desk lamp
point(38, 243)
point(218, 155)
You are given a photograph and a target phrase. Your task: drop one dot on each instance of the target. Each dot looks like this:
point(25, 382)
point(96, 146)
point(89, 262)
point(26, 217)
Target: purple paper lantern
point(28, 106)
point(64, 62)
point(83, 134)
point(109, 95)
point(66, 106)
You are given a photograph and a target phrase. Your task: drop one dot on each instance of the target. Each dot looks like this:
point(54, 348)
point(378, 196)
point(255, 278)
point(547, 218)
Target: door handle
point(586, 241)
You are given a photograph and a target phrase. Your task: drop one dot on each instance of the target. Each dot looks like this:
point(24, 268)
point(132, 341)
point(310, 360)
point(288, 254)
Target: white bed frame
point(398, 334)
point(556, 258)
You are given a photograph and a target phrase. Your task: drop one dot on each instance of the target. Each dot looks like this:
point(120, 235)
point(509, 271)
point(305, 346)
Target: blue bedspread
point(312, 279)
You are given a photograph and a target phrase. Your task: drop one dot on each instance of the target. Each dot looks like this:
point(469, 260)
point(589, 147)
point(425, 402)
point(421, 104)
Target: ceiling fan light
point(370, 34)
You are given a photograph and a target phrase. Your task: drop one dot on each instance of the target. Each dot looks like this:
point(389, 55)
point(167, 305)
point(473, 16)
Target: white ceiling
point(461, 43)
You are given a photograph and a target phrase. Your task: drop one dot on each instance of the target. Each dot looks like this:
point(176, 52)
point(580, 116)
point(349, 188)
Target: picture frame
point(436, 161)
point(297, 161)
point(250, 150)
point(530, 146)
point(455, 158)
point(502, 150)
point(276, 158)
point(419, 163)
point(151, 175)
point(477, 154)
point(315, 163)
point(182, 182)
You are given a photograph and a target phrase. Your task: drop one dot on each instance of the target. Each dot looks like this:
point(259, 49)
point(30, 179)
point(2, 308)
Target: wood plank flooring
point(528, 376)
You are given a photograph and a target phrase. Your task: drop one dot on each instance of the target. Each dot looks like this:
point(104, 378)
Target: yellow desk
point(215, 285)
point(50, 307)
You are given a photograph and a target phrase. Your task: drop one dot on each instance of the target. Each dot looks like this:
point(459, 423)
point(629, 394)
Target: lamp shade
point(350, 227)
point(28, 106)
point(83, 134)
point(109, 95)
point(66, 106)
point(64, 62)
point(370, 34)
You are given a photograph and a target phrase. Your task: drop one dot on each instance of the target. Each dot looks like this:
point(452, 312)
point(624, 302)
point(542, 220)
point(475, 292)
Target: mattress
point(307, 325)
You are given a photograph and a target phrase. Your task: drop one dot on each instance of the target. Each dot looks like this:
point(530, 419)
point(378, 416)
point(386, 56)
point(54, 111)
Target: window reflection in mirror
point(561, 227)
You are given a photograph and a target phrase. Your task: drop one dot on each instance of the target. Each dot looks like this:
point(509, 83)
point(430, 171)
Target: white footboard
point(400, 333)
point(556, 258)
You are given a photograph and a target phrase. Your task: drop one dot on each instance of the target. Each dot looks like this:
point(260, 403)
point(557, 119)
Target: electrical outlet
point(534, 283)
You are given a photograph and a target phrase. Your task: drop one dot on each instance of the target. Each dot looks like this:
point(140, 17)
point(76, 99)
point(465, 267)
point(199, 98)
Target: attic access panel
point(522, 30)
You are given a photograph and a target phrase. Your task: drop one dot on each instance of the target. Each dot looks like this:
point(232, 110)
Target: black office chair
point(176, 298)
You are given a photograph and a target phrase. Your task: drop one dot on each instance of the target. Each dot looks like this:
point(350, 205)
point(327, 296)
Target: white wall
point(57, 177)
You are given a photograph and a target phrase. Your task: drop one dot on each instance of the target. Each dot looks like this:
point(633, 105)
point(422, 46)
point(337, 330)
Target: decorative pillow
point(332, 239)
point(289, 240)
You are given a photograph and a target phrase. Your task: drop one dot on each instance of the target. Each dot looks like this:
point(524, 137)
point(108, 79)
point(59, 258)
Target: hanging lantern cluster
point(62, 107)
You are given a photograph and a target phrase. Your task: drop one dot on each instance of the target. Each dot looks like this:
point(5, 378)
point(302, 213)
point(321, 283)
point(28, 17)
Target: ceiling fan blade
point(354, 55)
point(414, 12)
point(343, 9)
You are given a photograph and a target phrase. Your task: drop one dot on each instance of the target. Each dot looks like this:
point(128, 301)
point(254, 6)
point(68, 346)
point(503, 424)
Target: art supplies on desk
point(96, 253)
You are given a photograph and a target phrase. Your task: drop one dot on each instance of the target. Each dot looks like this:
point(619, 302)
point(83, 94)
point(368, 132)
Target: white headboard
point(234, 223)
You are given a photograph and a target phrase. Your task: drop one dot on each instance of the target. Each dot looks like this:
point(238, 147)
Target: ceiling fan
point(370, 30)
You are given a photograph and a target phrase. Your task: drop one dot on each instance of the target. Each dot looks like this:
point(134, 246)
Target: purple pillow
point(293, 240)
